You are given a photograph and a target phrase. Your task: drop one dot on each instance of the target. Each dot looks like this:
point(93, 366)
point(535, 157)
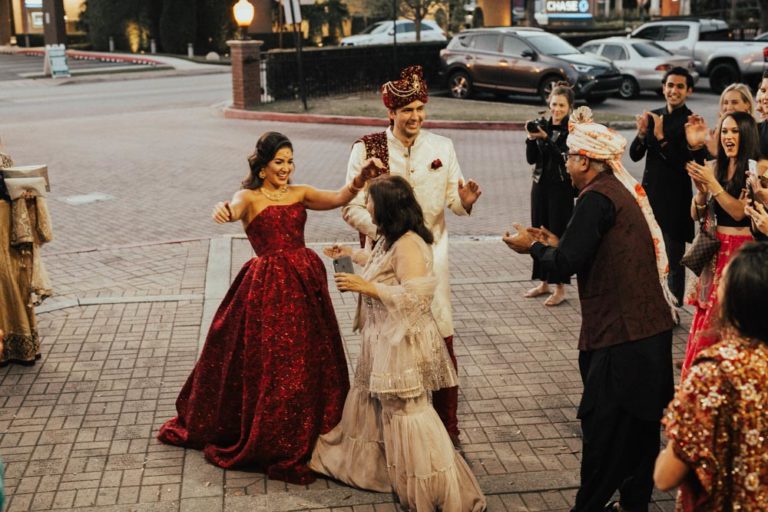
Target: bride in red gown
point(272, 375)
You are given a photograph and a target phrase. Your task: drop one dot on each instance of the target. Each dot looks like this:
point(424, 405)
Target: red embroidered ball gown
point(272, 376)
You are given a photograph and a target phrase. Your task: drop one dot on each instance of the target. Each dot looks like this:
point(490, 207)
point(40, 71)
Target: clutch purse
point(705, 245)
point(25, 172)
point(18, 186)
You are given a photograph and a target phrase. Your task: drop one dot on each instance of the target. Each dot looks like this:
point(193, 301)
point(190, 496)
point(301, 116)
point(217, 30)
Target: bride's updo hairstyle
point(266, 148)
point(395, 209)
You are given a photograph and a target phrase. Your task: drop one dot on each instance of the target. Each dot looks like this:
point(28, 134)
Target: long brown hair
point(749, 148)
point(266, 148)
point(395, 209)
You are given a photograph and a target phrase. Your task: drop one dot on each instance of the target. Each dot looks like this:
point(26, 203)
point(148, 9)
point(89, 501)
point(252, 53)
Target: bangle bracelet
point(718, 193)
point(353, 189)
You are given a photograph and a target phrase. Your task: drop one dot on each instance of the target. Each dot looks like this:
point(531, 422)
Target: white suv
point(382, 33)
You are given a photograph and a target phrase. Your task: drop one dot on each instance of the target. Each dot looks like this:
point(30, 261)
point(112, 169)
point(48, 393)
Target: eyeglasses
point(567, 155)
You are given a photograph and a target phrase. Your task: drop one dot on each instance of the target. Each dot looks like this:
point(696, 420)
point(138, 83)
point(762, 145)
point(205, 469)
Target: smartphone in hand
point(752, 171)
point(344, 265)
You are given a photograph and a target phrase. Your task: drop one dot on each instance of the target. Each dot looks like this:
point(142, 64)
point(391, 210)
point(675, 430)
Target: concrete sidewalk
point(124, 331)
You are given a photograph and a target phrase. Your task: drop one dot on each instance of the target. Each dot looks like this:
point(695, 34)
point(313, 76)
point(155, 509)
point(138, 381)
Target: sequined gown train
point(272, 375)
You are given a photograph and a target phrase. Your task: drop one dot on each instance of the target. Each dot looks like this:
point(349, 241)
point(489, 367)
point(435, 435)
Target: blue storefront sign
point(568, 9)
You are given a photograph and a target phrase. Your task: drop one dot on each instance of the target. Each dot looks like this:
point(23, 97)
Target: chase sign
point(567, 9)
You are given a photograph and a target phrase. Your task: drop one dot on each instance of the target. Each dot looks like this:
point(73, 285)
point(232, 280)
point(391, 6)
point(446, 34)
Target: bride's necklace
point(277, 195)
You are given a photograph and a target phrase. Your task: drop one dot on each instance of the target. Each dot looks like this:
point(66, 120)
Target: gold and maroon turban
point(411, 87)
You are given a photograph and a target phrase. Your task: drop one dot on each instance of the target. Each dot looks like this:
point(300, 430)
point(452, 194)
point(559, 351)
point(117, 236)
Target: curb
point(103, 57)
point(251, 115)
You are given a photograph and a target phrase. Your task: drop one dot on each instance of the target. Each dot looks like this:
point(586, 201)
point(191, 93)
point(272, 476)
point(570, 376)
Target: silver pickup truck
point(709, 43)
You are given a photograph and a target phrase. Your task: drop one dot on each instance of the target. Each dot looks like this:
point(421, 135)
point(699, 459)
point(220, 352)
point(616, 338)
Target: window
point(650, 50)
point(408, 26)
point(460, 42)
point(591, 48)
point(425, 27)
point(653, 33)
point(376, 28)
point(676, 32)
point(513, 46)
point(614, 52)
point(487, 43)
point(550, 44)
point(716, 35)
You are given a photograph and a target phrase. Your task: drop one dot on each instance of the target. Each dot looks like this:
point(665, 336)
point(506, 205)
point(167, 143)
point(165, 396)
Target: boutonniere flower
point(436, 164)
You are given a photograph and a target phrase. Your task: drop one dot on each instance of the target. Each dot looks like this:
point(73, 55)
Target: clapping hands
point(696, 132)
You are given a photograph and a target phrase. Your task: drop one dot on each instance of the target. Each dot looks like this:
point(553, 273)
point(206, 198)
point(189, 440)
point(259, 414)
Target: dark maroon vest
point(621, 297)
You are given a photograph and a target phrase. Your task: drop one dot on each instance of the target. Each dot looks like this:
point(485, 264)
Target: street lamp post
point(246, 61)
point(243, 16)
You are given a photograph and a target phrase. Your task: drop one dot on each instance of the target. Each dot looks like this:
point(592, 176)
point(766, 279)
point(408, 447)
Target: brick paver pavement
point(123, 332)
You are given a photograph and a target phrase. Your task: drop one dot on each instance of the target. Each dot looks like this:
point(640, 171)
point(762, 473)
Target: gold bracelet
point(718, 193)
point(700, 206)
point(353, 189)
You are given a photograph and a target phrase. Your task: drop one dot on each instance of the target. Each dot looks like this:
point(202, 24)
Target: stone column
point(53, 22)
point(246, 73)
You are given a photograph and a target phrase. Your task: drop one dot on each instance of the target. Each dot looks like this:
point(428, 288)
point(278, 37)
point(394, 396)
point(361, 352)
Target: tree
point(178, 24)
point(416, 10)
point(763, 5)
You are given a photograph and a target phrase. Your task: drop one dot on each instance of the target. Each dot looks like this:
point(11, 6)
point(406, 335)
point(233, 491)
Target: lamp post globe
point(243, 16)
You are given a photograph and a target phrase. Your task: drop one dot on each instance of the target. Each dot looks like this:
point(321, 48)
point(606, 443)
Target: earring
point(262, 175)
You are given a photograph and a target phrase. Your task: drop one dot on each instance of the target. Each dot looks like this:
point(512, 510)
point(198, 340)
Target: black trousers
point(619, 452)
point(676, 277)
point(620, 448)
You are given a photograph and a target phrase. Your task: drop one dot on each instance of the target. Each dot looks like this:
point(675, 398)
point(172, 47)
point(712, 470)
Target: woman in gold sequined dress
point(717, 423)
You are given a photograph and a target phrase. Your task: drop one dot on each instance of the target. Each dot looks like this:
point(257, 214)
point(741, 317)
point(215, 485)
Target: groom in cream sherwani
point(428, 161)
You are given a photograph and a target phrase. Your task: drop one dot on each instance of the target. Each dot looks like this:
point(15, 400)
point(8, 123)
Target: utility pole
point(297, 38)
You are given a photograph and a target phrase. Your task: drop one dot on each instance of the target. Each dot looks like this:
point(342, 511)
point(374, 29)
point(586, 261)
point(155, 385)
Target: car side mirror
point(528, 54)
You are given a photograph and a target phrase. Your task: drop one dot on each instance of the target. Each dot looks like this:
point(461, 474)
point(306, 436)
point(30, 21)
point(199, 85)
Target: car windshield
point(549, 44)
point(375, 28)
point(650, 50)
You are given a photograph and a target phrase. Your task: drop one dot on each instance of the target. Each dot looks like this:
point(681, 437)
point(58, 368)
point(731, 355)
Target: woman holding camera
point(552, 192)
point(390, 438)
point(720, 185)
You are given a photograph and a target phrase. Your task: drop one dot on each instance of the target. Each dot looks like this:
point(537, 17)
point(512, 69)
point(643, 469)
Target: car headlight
point(581, 68)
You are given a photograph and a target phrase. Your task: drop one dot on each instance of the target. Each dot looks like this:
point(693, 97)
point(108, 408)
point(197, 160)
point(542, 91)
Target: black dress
point(552, 193)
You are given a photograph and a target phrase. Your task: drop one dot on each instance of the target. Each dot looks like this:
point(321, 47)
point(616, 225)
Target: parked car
point(709, 42)
point(641, 61)
point(523, 60)
point(761, 37)
point(382, 33)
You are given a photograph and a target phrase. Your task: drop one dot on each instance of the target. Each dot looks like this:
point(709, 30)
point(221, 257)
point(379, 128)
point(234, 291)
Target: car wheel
point(721, 76)
point(629, 89)
point(460, 85)
point(596, 100)
point(545, 87)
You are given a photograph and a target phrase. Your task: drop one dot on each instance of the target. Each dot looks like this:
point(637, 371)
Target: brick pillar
point(246, 76)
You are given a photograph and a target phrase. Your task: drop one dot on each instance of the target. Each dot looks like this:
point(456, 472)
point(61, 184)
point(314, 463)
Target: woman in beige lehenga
point(24, 226)
point(390, 438)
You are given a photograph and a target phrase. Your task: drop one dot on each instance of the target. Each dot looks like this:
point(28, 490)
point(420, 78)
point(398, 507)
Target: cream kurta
point(435, 190)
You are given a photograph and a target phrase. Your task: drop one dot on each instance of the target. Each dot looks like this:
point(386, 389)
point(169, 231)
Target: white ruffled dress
point(390, 438)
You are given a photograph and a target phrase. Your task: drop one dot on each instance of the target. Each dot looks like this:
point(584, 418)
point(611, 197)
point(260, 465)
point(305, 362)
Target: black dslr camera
point(539, 122)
